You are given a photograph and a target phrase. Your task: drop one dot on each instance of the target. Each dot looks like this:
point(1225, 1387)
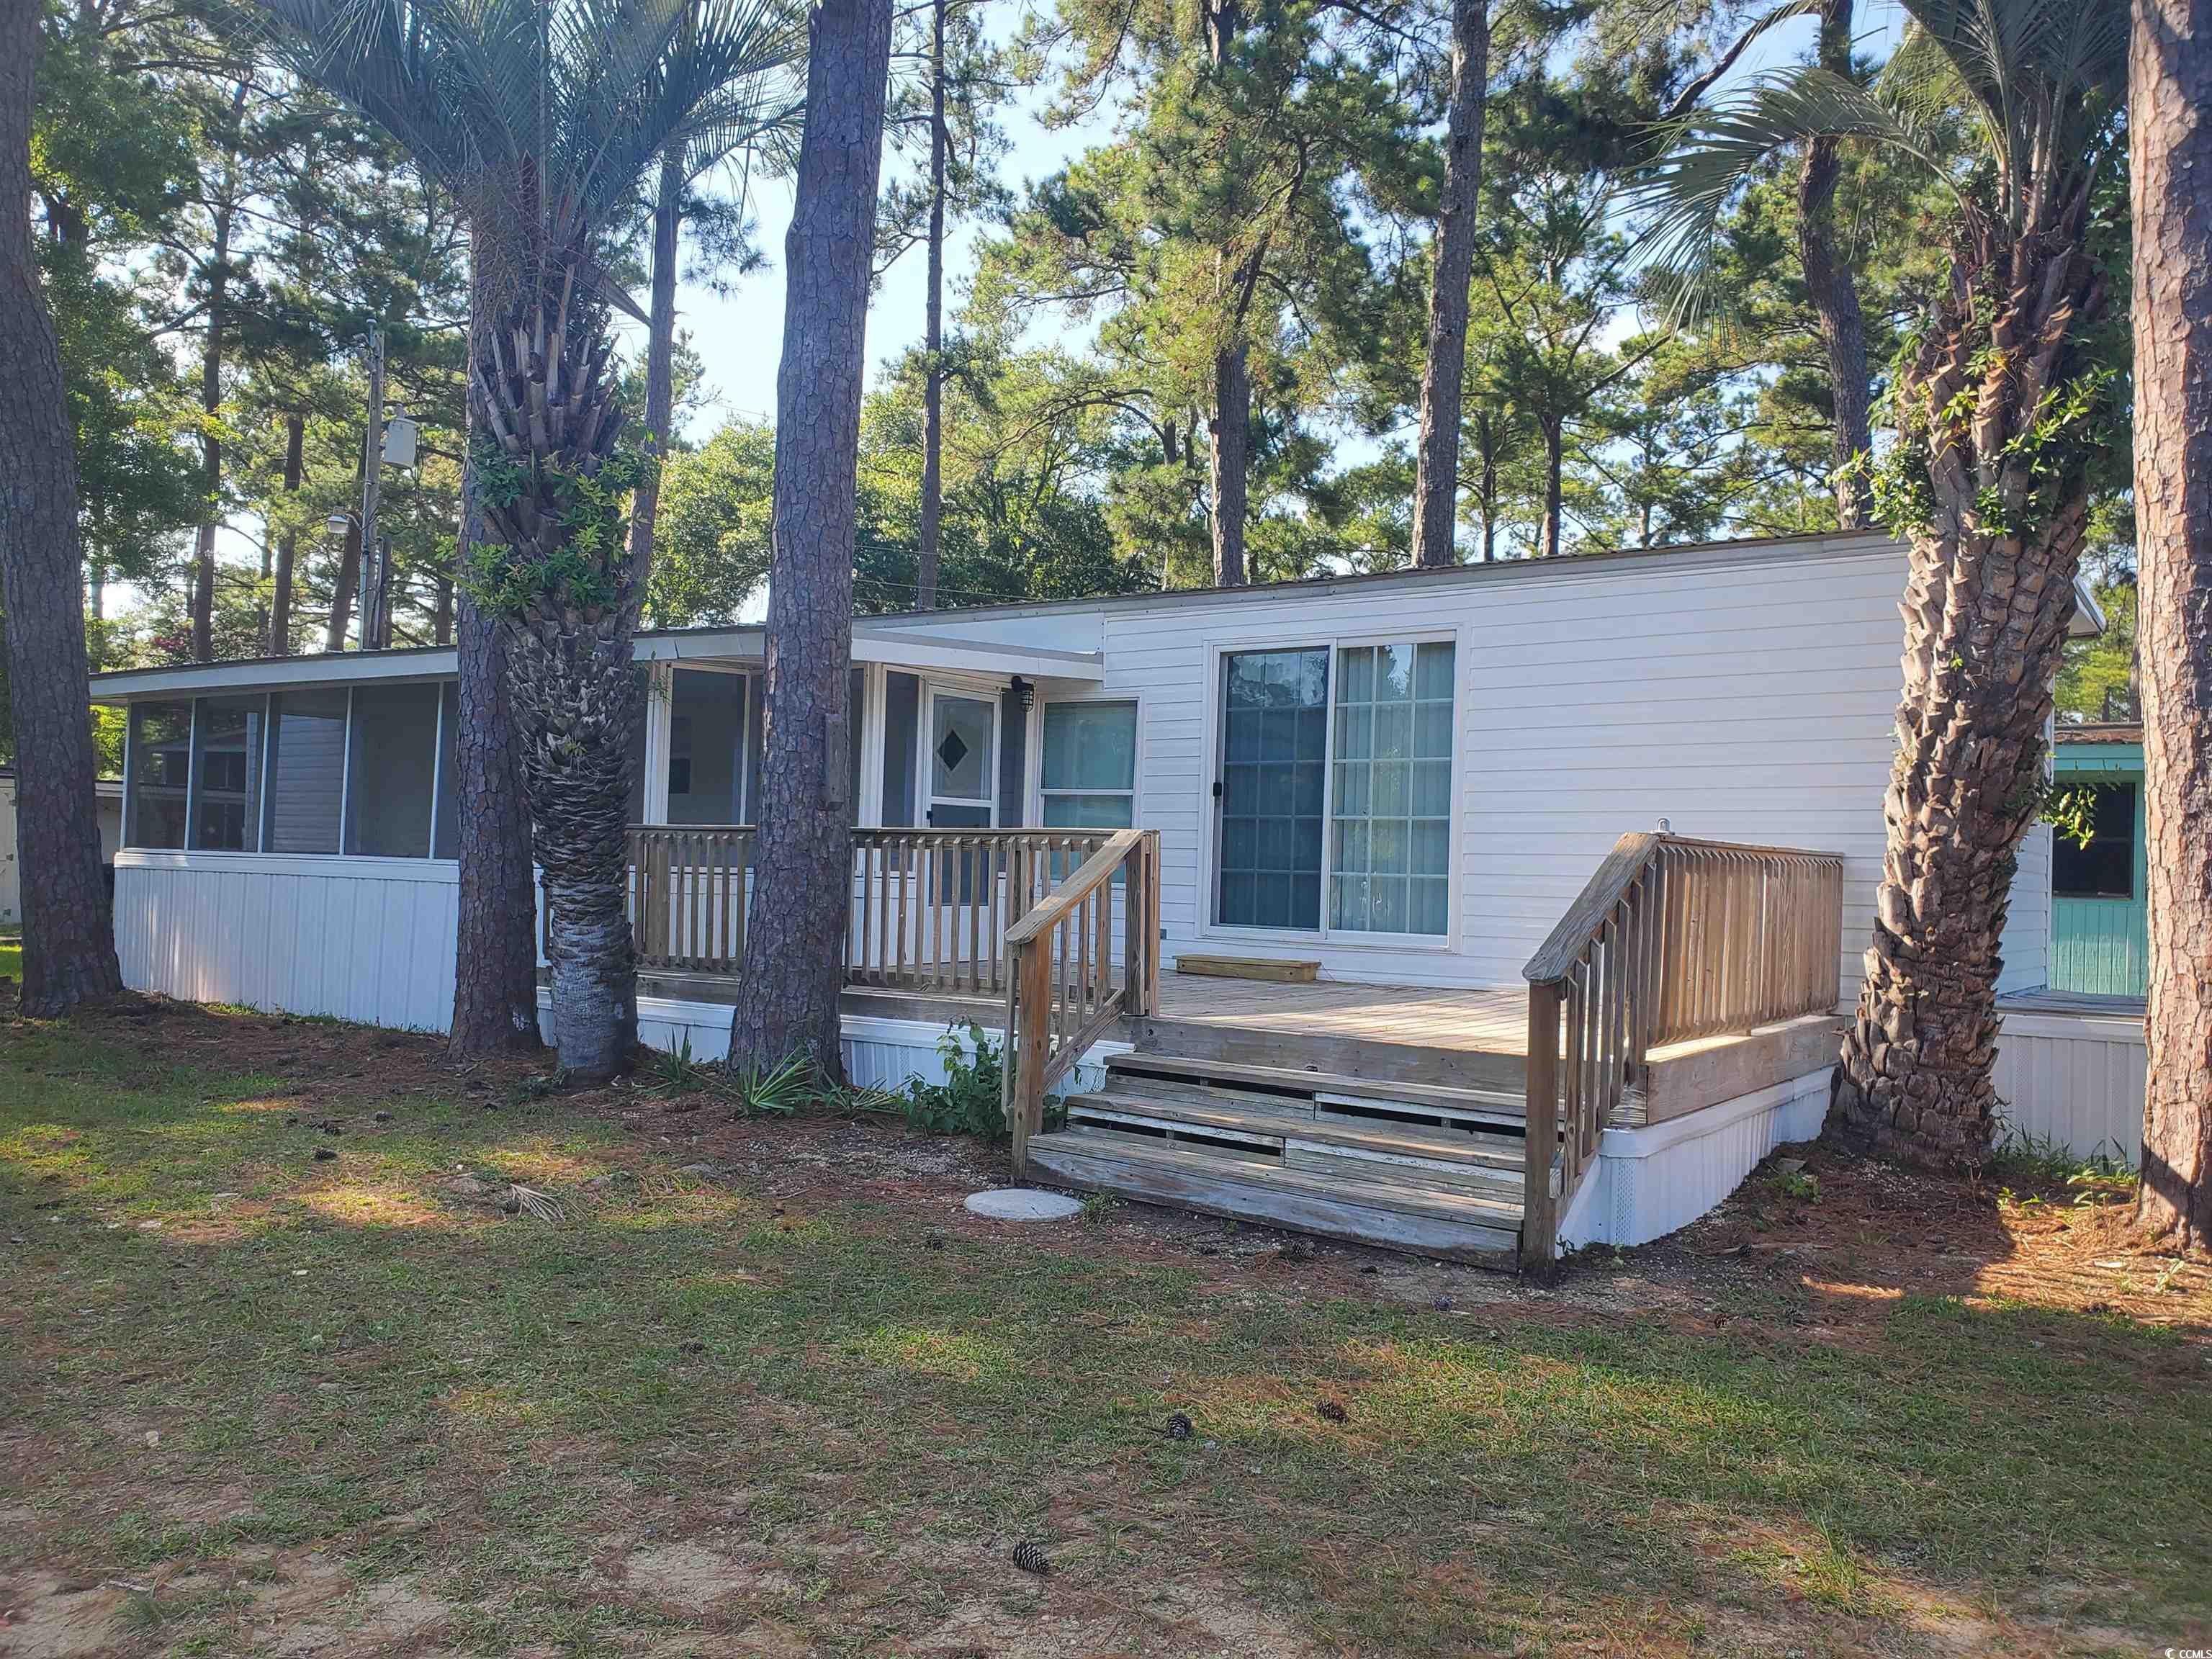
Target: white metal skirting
point(1649, 1181)
point(2074, 1080)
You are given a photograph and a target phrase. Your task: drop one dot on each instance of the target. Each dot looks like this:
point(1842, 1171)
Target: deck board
point(1491, 1021)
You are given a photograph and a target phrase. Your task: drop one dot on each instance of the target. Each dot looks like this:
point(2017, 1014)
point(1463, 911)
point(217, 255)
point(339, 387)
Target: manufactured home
point(1472, 911)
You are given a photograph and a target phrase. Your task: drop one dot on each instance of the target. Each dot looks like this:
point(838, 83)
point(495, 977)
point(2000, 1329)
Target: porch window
point(446, 833)
point(160, 739)
point(2105, 868)
point(1090, 772)
point(393, 749)
point(226, 815)
point(1390, 810)
point(307, 771)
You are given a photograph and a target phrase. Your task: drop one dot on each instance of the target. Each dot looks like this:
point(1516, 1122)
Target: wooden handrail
point(1099, 867)
point(1063, 990)
point(1671, 937)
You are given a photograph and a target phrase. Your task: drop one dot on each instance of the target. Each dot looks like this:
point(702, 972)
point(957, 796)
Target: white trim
point(659, 703)
point(277, 673)
point(345, 782)
point(437, 769)
point(932, 653)
point(192, 774)
point(356, 866)
point(868, 787)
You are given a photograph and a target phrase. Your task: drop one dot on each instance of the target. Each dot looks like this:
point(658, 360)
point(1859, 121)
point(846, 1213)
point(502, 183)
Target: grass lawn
point(766, 1388)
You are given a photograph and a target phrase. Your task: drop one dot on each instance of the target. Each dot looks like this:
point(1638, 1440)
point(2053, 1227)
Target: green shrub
point(967, 1103)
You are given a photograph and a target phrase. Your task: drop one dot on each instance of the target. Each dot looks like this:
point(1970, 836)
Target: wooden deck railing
point(1673, 938)
point(1064, 989)
point(930, 907)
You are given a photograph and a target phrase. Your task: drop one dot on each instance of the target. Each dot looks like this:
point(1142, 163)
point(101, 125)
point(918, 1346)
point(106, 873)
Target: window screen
point(394, 744)
point(227, 789)
point(306, 770)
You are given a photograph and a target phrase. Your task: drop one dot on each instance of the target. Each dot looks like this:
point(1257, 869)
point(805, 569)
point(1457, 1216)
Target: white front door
point(961, 761)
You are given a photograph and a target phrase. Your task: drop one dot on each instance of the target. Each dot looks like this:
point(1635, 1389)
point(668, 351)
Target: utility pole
point(375, 573)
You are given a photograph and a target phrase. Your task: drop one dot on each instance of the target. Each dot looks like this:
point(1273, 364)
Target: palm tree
point(541, 117)
point(2000, 406)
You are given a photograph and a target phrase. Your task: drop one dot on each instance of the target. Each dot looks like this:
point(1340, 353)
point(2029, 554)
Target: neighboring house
point(1372, 803)
point(110, 793)
point(2099, 942)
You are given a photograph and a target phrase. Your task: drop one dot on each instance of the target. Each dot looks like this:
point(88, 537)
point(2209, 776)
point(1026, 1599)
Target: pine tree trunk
point(1435, 467)
point(69, 934)
point(1232, 458)
point(2170, 146)
point(496, 951)
point(659, 368)
point(787, 1002)
point(932, 437)
point(1555, 444)
point(346, 582)
point(1834, 292)
point(1985, 615)
point(280, 609)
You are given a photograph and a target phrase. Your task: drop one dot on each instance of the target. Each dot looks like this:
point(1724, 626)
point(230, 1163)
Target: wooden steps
point(1412, 1166)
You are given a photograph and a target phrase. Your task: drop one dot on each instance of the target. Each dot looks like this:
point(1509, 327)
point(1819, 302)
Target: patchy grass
point(767, 1388)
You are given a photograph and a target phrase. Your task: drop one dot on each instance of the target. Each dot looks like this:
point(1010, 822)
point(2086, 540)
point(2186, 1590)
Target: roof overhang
point(2088, 620)
point(277, 673)
point(904, 647)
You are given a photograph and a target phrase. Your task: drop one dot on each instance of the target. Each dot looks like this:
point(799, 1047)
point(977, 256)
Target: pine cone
point(1028, 1556)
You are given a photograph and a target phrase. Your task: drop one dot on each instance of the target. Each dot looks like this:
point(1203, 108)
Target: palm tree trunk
point(1435, 467)
point(495, 950)
point(787, 1002)
point(1985, 614)
point(69, 934)
point(287, 545)
point(2170, 87)
point(1834, 292)
point(660, 366)
point(933, 438)
point(1232, 458)
point(570, 680)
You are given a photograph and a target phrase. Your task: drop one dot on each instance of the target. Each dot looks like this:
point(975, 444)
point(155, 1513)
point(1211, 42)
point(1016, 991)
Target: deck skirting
point(1651, 1180)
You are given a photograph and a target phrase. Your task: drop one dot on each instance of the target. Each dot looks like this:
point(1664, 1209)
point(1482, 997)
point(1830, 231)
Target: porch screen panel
point(856, 706)
point(706, 746)
point(161, 740)
point(226, 781)
point(901, 717)
point(1390, 833)
point(1275, 751)
point(306, 770)
point(392, 753)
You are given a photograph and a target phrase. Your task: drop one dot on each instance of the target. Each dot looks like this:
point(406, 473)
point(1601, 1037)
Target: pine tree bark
point(659, 366)
point(347, 581)
point(1555, 454)
point(288, 544)
point(1834, 292)
point(932, 435)
point(495, 949)
point(1231, 427)
point(69, 934)
point(2170, 157)
point(1436, 465)
point(1985, 613)
point(788, 1001)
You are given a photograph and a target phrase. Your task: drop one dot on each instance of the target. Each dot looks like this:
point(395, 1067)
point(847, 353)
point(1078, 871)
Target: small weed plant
point(968, 1102)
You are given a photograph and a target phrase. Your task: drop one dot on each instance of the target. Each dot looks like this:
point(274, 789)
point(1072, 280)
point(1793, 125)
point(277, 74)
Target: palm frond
point(1711, 154)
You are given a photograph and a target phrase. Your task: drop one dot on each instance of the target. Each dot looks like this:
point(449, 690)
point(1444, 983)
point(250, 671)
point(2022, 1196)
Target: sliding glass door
point(1274, 749)
point(1355, 741)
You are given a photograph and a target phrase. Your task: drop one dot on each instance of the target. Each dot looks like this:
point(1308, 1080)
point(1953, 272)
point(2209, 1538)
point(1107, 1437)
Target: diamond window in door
point(1390, 837)
point(960, 749)
point(1274, 758)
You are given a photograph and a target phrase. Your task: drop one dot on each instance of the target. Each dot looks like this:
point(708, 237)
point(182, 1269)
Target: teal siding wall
point(2099, 946)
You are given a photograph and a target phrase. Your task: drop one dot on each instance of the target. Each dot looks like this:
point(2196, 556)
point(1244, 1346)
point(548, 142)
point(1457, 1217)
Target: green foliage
point(2097, 682)
point(583, 566)
point(968, 1102)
